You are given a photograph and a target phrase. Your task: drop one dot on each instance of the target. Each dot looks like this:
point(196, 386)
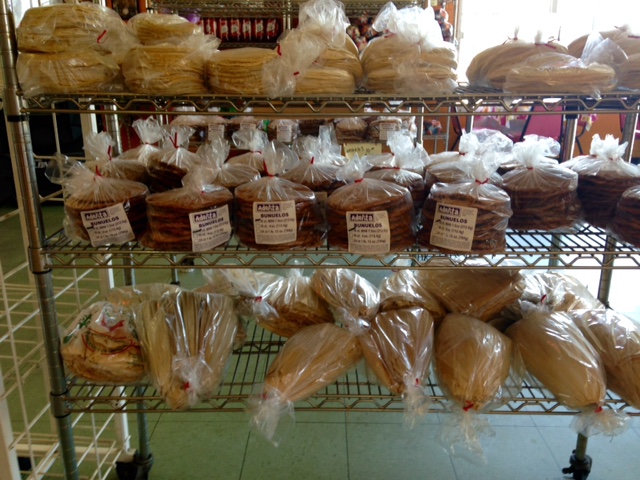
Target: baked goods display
point(490, 67)
point(168, 167)
point(404, 289)
point(543, 193)
point(467, 216)
point(154, 28)
point(314, 357)
point(196, 217)
point(186, 339)
point(67, 72)
point(169, 69)
point(238, 71)
point(103, 210)
point(150, 132)
point(556, 352)
point(101, 346)
point(72, 27)
point(625, 225)
point(481, 293)
point(616, 338)
point(602, 179)
point(472, 361)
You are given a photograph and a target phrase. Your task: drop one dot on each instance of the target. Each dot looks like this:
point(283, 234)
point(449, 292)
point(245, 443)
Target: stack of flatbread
point(238, 71)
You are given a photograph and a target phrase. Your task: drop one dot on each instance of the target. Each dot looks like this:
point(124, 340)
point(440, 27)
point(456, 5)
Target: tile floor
point(368, 446)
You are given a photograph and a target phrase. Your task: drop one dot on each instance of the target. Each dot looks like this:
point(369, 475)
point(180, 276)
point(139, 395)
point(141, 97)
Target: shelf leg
point(606, 271)
point(143, 459)
point(580, 462)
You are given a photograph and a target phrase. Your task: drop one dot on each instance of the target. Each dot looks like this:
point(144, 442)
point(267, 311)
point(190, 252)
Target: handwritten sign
point(362, 149)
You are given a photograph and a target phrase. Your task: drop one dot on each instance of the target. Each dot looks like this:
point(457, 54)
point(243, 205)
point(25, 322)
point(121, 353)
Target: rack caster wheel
point(138, 469)
point(579, 469)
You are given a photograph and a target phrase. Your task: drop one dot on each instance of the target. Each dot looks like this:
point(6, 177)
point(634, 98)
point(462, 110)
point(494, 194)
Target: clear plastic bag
point(167, 168)
point(238, 71)
point(351, 129)
point(468, 216)
point(398, 347)
point(253, 140)
point(129, 296)
point(170, 69)
point(314, 357)
point(624, 224)
point(369, 216)
point(187, 339)
point(101, 346)
point(275, 214)
point(478, 369)
point(403, 289)
point(98, 149)
point(101, 210)
point(228, 175)
point(196, 217)
point(68, 72)
point(560, 357)
point(150, 132)
point(154, 28)
point(603, 177)
point(481, 293)
point(543, 193)
point(325, 19)
point(351, 297)
point(73, 27)
point(616, 338)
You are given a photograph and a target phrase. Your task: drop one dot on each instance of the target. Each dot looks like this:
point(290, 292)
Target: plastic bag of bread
point(313, 358)
point(131, 295)
point(624, 225)
point(478, 292)
point(616, 338)
point(543, 193)
point(342, 58)
point(351, 296)
point(73, 27)
point(490, 67)
point(283, 129)
point(296, 52)
point(154, 28)
point(238, 71)
point(187, 339)
point(229, 175)
point(68, 72)
point(101, 210)
point(467, 216)
point(168, 68)
point(101, 346)
point(402, 289)
point(369, 216)
point(194, 218)
point(477, 369)
point(404, 166)
point(325, 19)
point(398, 347)
point(98, 149)
point(603, 176)
point(253, 140)
point(351, 129)
point(150, 132)
point(561, 358)
point(274, 213)
point(168, 167)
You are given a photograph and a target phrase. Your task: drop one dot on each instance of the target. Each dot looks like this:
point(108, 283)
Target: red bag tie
point(313, 159)
point(102, 37)
point(486, 180)
point(174, 140)
point(467, 406)
point(258, 299)
point(598, 409)
point(187, 385)
point(279, 50)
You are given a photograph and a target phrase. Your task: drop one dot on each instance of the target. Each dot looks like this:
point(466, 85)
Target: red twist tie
point(174, 140)
point(313, 159)
point(98, 174)
point(483, 182)
point(417, 382)
point(102, 36)
point(598, 410)
point(543, 299)
point(467, 406)
point(187, 385)
point(529, 168)
point(295, 74)
point(109, 152)
point(359, 180)
point(279, 50)
point(259, 299)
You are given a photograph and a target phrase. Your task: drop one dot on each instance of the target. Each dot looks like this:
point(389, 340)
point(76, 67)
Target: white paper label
point(107, 225)
point(453, 227)
point(275, 223)
point(285, 133)
point(210, 228)
point(247, 125)
point(362, 149)
point(216, 130)
point(368, 232)
point(386, 129)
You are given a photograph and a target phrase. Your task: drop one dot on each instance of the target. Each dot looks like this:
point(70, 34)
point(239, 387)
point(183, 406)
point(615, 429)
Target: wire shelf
point(241, 8)
point(463, 102)
point(353, 392)
point(588, 248)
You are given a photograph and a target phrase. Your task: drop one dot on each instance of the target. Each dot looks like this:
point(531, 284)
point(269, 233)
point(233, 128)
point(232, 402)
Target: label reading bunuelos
point(107, 225)
point(210, 228)
point(275, 223)
point(368, 232)
point(453, 227)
